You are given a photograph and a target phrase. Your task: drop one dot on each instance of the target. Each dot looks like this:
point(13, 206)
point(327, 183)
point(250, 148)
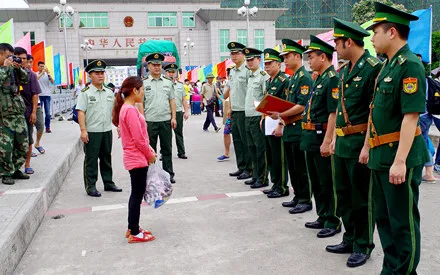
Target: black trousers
point(138, 178)
point(209, 117)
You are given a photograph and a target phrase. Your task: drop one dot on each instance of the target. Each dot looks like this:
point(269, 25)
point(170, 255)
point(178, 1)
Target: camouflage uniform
point(13, 129)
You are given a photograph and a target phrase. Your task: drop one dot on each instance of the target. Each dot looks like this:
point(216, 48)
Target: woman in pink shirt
point(137, 151)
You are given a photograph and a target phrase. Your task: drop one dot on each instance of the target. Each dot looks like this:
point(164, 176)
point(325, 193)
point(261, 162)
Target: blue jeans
point(45, 103)
point(425, 123)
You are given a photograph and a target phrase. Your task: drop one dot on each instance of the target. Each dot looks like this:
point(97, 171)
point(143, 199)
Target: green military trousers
point(14, 144)
point(398, 220)
point(178, 134)
point(257, 148)
point(278, 165)
point(99, 146)
point(296, 163)
point(239, 139)
point(321, 179)
point(354, 206)
point(162, 130)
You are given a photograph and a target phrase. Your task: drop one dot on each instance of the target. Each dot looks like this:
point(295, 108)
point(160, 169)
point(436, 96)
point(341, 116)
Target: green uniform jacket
point(179, 93)
point(158, 93)
point(322, 102)
point(255, 91)
point(358, 86)
point(400, 89)
point(238, 85)
point(278, 86)
point(299, 90)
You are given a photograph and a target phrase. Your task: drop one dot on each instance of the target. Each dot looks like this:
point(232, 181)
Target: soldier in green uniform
point(238, 85)
point(299, 88)
point(95, 106)
point(352, 178)
point(397, 149)
point(13, 129)
point(255, 137)
point(316, 137)
point(160, 110)
point(277, 85)
point(181, 108)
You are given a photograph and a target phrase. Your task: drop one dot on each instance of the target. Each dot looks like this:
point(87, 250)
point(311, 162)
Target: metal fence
point(61, 102)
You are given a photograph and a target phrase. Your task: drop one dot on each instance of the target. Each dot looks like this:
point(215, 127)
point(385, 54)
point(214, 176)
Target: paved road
point(213, 225)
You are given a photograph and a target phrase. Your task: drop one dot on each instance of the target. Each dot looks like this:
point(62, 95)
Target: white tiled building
point(104, 24)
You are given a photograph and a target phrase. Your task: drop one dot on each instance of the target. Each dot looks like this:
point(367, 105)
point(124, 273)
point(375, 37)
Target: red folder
point(272, 103)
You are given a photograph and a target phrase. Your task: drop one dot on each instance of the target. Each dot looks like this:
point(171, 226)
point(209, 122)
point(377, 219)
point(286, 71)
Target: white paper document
point(270, 125)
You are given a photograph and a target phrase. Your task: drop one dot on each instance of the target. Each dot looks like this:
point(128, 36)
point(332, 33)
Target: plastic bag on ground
point(159, 187)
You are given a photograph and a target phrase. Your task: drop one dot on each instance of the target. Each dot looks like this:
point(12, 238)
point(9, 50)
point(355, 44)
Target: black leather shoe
point(250, 182)
point(18, 175)
point(245, 175)
point(94, 193)
point(357, 259)
point(182, 157)
point(8, 180)
point(291, 203)
point(300, 208)
point(314, 225)
point(113, 188)
point(172, 180)
point(341, 248)
point(236, 173)
point(328, 232)
point(258, 184)
point(268, 191)
point(276, 194)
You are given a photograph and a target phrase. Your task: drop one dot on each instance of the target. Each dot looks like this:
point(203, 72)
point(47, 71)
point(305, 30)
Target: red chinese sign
point(119, 43)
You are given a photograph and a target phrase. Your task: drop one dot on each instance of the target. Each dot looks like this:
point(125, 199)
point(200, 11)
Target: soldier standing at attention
point(13, 129)
point(95, 105)
point(277, 85)
point(238, 85)
point(255, 137)
point(352, 176)
point(181, 108)
point(316, 138)
point(160, 110)
point(397, 148)
point(299, 88)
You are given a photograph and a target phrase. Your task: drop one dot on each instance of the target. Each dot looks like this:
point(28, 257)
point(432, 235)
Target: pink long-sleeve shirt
point(134, 136)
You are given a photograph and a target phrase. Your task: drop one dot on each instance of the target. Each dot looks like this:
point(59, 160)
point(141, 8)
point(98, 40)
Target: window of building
point(224, 40)
point(242, 37)
point(188, 19)
point(93, 19)
point(32, 35)
point(69, 23)
point(259, 39)
point(162, 19)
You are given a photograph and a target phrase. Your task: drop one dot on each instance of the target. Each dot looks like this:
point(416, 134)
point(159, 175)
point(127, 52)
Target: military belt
point(389, 138)
point(312, 126)
point(351, 129)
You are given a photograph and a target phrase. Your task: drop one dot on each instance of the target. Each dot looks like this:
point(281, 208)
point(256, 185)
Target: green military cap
point(271, 55)
point(291, 46)
point(97, 65)
point(155, 58)
point(210, 76)
point(348, 29)
point(171, 67)
point(251, 53)
point(317, 44)
point(389, 14)
point(235, 47)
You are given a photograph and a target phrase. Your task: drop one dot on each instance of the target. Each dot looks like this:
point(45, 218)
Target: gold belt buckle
point(370, 141)
point(339, 132)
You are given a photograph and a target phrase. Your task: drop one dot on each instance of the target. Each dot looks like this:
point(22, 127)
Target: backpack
point(433, 101)
point(74, 114)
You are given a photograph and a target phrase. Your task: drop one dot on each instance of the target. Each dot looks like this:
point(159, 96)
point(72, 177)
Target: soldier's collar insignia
point(358, 78)
point(319, 86)
point(410, 85)
point(388, 79)
point(401, 59)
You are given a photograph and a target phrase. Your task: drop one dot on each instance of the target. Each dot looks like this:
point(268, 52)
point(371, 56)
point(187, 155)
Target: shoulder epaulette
point(344, 65)
point(301, 74)
point(263, 73)
point(373, 61)
point(401, 59)
point(85, 89)
point(281, 78)
point(331, 74)
point(144, 78)
point(166, 77)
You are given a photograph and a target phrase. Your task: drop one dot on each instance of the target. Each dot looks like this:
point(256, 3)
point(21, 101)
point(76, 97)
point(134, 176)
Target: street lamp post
point(188, 45)
point(246, 11)
point(86, 47)
point(65, 12)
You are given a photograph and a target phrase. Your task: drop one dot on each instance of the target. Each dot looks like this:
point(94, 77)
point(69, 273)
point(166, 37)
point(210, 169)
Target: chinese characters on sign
point(121, 43)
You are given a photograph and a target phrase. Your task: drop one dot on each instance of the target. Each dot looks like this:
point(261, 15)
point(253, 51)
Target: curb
point(20, 232)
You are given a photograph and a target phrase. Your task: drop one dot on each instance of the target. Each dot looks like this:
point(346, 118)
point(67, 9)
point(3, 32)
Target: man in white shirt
point(46, 81)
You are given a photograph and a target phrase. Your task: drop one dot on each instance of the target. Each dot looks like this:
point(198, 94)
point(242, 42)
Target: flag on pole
point(25, 43)
point(48, 57)
point(221, 69)
point(7, 32)
point(57, 68)
point(201, 74)
point(63, 70)
point(419, 40)
point(71, 74)
point(38, 54)
point(214, 70)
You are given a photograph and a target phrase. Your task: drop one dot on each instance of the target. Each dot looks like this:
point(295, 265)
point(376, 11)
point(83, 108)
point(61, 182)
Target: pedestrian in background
point(137, 153)
point(46, 81)
point(209, 96)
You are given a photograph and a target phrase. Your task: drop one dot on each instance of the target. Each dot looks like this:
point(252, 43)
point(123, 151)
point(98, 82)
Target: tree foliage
point(363, 10)
point(435, 49)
